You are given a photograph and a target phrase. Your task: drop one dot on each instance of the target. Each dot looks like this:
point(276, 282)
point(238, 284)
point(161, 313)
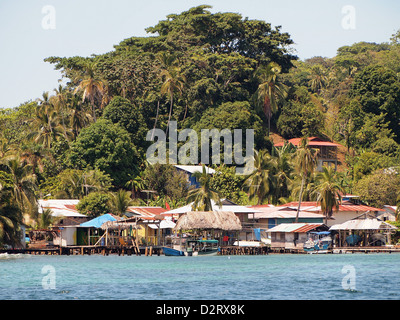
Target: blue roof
point(97, 222)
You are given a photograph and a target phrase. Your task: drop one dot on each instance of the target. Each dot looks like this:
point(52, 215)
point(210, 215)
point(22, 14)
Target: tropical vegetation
point(87, 139)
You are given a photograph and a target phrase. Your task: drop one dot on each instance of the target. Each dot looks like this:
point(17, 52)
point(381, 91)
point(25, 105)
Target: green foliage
point(105, 146)
point(379, 188)
point(203, 196)
point(368, 162)
point(95, 204)
point(75, 184)
point(227, 183)
point(121, 111)
point(205, 70)
point(233, 115)
point(120, 201)
point(378, 90)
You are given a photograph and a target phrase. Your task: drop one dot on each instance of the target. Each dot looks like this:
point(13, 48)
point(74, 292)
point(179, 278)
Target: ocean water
point(283, 277)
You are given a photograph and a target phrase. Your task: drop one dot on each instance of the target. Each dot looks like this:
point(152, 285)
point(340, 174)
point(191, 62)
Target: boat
point(202, 247)
point(318, 242)
point(193, 247)
point(172, 252)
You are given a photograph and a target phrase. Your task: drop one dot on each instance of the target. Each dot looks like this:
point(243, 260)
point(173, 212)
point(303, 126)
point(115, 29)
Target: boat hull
point(173, 252)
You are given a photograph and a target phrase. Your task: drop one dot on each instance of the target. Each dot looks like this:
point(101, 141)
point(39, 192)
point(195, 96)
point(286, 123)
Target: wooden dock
point(237, 250)
point(157, 250)
point(89, 250)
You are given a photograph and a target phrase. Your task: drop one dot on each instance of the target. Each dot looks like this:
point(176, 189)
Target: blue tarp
point(257, 233)
point(97, 222)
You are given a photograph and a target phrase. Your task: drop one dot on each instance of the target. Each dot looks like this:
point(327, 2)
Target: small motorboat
point(193, 247)
point(318, 242)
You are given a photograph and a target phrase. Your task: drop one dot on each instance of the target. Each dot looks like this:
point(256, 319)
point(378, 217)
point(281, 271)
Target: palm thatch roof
point(222, 220)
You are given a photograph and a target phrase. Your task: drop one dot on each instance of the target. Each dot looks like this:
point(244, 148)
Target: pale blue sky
point(85, 27)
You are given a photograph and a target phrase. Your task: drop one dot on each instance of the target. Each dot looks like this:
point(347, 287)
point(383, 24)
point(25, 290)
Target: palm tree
point(94, 89)
point(136, 183)
point(46, 125)
point(120, 201)
point(78, 116)
point(270, 91)
point(259, 182)
point(306, 158)
point(173, 80)
point(45, 219)
point(329, 191)
point(318, 79)
point(283, 170)
point(203, 196)
point(61, 99)
point(23, 183)
point(33, 154)
point(10, 221)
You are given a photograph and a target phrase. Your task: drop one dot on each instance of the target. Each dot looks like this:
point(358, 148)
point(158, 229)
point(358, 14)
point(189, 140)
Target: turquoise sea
point(283, 277)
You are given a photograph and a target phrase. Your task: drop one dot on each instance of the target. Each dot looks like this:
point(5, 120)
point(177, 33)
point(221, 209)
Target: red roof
point(307, 227)
point(312, 142)
point(147, 211)
point(345, 206)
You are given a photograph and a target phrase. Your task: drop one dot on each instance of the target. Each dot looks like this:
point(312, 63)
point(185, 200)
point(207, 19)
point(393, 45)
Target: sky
point(31, 30)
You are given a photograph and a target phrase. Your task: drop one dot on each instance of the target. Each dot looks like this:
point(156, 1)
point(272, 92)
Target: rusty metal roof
point(312, 206)
point(295, 227)
point(146, 211)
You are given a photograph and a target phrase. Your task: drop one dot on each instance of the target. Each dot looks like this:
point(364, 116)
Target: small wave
point(6, 256)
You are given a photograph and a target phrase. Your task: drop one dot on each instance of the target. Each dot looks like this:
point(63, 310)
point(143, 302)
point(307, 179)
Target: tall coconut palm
point(79, 117)
point(283, 170)
point(33, 154)
point(10, 215)
point(10, 221)
point(173, 81)
point(329, 191)
point(22, 183)
point(60, 101)
point(259, 182)
point(270, 91)
point(306, 160)
point(318, 78)
point(46, 125)
point(203, 196)
point(92, 87)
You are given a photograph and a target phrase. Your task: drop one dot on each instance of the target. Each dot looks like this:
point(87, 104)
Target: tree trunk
point(170, 113)
point(301, 194)
point(155, 123)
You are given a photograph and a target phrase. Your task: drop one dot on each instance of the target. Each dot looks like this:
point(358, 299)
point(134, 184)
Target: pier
point(157, 250)
point(89, 250)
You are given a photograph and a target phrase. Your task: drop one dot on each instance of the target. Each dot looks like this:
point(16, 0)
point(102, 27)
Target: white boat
point(318, 242)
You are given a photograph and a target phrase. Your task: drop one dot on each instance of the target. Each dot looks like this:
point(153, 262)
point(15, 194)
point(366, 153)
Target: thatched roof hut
point(222, 220)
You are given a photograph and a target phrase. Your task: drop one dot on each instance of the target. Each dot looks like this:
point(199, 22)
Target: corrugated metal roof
point(225, 207)
point(147, 211)
point(282, 213)
point(193, 168)
point(295, 227)
point(363, 224)
point(60, 207)
point(312, 141)
point(313, 206)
